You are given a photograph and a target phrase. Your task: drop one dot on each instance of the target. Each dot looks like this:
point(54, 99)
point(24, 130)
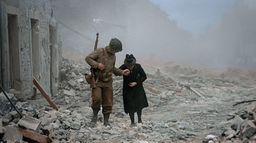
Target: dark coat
point(134, 98)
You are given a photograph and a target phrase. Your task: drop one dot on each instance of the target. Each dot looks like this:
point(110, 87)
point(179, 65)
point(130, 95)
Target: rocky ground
point(175, 112)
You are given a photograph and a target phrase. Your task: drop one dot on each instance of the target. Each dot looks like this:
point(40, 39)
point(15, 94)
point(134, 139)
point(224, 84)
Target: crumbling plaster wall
point(1, 43)
point(27, 10)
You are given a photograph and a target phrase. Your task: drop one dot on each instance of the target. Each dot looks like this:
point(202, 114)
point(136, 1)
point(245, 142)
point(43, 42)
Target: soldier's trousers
point(102, 96)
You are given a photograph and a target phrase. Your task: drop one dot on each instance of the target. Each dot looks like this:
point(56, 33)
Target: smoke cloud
point(148, 33)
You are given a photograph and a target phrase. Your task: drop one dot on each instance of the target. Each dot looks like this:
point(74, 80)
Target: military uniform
point(102, 94)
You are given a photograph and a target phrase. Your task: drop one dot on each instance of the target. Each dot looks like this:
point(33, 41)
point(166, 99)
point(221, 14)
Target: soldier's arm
point(117, 72)
point(122, 67)
point(91, 59)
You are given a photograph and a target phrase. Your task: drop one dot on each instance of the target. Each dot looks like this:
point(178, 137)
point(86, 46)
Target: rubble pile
point(185, 105)
point(10, 129)
point(243, 126)
point(5, 106)
point(72, 86)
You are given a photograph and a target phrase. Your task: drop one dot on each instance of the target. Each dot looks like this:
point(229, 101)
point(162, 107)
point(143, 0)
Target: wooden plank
point(247, 101)
point(34, 136)
point(194, 91)
point(45, 95)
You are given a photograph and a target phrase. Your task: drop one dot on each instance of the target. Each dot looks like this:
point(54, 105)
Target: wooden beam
point(45, 95)
point(247, 101)
point(194, 91)
point(34, 136)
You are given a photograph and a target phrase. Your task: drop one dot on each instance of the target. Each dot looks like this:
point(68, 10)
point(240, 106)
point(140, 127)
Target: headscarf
point(129, 60)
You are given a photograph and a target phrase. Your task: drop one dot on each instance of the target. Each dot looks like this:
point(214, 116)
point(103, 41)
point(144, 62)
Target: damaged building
point(28, 47)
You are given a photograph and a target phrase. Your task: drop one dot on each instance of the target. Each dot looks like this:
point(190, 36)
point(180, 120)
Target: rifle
point(96, 41)
point(95, 72)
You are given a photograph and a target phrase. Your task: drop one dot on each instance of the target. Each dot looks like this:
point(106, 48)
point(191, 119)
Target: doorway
point(14, 54)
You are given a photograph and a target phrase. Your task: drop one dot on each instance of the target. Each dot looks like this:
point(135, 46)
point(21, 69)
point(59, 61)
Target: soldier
point(134, 96)
point(104, 60)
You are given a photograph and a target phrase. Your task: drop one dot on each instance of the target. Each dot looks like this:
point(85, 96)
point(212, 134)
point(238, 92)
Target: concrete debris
point(5, 106)
point(175, 114)
point(12, 134)
point(69, 92)
point(28, 122)
point(243, 127)
point(210, 139)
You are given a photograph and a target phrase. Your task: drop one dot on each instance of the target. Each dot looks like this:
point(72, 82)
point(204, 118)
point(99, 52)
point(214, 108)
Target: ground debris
point(175, 114)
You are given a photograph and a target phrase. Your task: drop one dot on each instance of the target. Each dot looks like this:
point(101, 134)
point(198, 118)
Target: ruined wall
point(1, 45)
point(55, 50)
point(4, 66)
point(34, 47)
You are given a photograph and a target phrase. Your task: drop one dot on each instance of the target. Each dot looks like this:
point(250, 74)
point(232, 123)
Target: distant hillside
point(232, 41)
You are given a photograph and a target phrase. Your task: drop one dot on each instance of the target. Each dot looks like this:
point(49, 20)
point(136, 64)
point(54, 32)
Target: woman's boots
point(132, 119)
point(139, 116)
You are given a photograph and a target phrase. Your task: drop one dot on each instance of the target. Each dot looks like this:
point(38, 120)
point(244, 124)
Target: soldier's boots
point(106, 119)
point(94, 117)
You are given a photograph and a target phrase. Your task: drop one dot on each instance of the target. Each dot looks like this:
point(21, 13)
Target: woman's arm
point(141, 75)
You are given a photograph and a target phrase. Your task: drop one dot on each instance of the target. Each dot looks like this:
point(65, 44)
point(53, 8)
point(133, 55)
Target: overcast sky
point(196, 16)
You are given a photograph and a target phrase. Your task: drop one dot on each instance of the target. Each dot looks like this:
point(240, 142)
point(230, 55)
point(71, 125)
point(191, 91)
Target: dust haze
point(148, 33)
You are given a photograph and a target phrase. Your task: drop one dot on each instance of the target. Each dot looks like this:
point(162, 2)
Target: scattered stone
point(210, 139)
point(7, 119)
point(249, 130)
point(174, 113)
point(72, 83)
point(75, 125)
point(69, 92)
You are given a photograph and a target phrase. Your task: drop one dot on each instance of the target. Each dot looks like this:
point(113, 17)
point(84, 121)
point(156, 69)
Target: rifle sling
point(96, 76)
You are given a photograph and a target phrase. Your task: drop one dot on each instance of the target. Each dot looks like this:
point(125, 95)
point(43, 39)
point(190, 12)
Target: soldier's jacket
point(100, 55)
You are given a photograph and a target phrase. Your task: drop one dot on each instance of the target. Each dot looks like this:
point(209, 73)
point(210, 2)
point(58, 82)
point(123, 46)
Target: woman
point(134, 96)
